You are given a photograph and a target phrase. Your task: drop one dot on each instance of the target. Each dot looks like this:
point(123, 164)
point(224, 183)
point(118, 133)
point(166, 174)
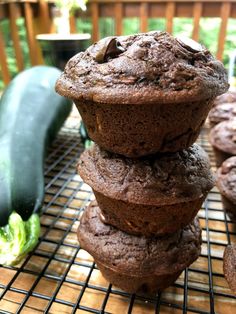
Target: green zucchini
point(31, 114)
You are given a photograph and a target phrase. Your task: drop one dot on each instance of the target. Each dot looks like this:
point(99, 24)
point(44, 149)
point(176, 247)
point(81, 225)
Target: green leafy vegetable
point(88, 143)
point(18, 238)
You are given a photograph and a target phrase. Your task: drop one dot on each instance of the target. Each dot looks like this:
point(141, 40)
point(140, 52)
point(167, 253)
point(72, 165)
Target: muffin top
point(129, 253)
point(157, 179)
point(143, 68)
point(226, 179)
point(228, 97)
point(223, 136)
point(222, 112)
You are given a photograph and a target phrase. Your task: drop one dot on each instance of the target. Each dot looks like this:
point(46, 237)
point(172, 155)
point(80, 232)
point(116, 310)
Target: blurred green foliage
point(209, 30)
point(11, 60)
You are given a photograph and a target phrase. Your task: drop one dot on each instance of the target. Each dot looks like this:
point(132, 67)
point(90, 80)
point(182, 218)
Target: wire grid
point(60, 277)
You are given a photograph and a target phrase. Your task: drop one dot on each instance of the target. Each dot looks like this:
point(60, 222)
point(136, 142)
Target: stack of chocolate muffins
point(143, 99)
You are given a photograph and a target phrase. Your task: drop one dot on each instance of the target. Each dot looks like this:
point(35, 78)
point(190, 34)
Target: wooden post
point(30, 33)
point(13, 8)
point(3, 61)
point(72, 24)
point(144, 17)
point(44, 18)
point(118, 18)
point(170, 13)
point(197, 13)
point(225, 13)
point(95, 24)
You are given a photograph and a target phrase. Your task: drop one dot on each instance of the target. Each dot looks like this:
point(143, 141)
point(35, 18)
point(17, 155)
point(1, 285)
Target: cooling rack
point(60, 277)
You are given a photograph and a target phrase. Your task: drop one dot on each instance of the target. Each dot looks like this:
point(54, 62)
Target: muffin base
point(147, 220)
point(144, 284)
point(135, 130)
point(138, 263)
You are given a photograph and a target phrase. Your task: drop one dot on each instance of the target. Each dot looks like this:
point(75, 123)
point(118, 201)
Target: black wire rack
point(60, 277)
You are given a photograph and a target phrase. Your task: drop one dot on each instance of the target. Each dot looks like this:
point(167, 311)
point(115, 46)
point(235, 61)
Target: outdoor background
point(209, 28)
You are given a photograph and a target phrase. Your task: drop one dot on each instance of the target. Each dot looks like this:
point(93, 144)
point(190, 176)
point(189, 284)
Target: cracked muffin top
point(143, 68)
point(128, 253)
point(157, 179)
point(226, 179)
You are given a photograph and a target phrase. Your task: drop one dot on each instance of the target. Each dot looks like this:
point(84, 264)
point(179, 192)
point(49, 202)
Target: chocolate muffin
point(145, 93)
point(153, 195)
point(228, 97)
point(229, 263)
point(223, 140)
point(222, 112)
point(138, 263)
point(226, 182)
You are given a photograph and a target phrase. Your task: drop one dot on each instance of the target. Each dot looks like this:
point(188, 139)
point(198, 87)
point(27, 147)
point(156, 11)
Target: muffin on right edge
point(222, 112)
point(223, 140)
point(138, 264)
point(228, 97)
point(226, 183)
point(229, 263)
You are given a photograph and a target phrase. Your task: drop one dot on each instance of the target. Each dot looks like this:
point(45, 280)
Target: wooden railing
point(38, 19)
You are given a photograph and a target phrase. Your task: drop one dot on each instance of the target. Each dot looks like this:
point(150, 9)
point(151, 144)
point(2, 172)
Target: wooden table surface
point(59, 277)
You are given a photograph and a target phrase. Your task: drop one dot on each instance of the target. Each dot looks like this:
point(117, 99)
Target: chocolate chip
point(190, 44)
point(110, 48)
